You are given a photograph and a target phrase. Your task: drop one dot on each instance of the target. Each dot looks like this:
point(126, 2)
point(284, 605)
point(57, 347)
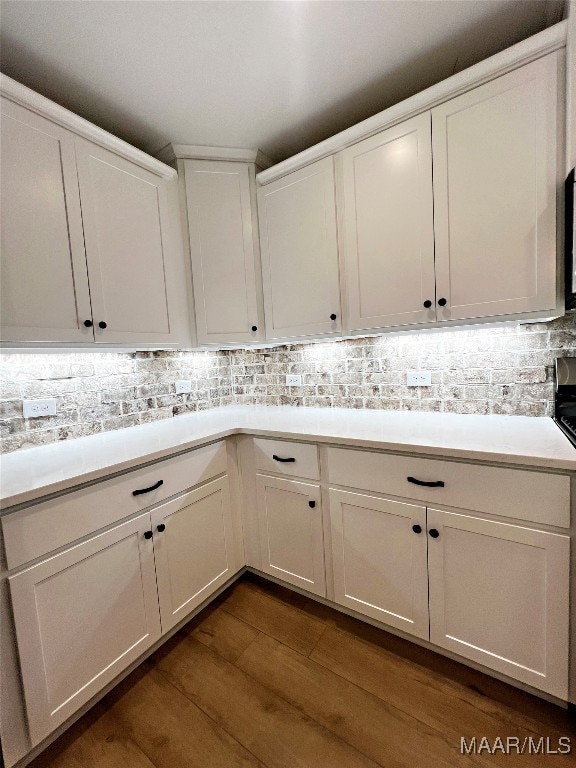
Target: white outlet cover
point(418, 378)
point(183, 386)
point(293, 380)
point(32, 409)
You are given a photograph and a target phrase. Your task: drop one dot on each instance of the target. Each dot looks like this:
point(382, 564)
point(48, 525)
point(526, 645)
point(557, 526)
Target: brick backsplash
point(503, 370)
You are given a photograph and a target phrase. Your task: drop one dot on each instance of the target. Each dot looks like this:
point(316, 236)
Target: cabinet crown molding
point(33, 101)
point(528, 50)
point(172, 152)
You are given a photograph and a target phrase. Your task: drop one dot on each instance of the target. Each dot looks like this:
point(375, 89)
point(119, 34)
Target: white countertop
point(528, 441)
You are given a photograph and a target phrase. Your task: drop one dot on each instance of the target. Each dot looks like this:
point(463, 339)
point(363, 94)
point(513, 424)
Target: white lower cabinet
point(194, 549)
point(499, 596)
point(291, 535)
point(82, 616)
point(379, 559)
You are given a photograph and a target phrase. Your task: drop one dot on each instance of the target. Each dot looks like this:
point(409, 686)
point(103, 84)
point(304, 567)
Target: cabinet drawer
point(286, 458)
point(36, 530)
point(538, 497)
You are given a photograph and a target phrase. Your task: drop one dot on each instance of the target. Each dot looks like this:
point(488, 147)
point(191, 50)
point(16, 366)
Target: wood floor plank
point(432, 699)
point(225, 634)
point(283, 622)
point(270, 728)
point(387, 735)
point(100, 745)
point(170, 729)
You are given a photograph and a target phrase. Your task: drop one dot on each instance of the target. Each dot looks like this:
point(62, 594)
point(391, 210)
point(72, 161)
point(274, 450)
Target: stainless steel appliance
point(565, 398)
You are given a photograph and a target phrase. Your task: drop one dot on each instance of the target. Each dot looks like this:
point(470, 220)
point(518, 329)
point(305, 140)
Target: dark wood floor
point(266, 677)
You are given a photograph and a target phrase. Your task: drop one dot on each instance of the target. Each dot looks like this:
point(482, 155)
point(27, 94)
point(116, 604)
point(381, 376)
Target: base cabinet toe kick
point(471, 559)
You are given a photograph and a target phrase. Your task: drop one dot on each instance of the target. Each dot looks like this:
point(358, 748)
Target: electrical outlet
point(183, 387)
point(418, 378)
point(33, 408)
point(293, 380)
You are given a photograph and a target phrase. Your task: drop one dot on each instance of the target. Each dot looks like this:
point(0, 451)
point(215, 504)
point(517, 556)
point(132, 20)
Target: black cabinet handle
point(284, 461)
point(147, 534)
point(254, 327)
point(88, 323)
point(161, 528)
point(140, 491)
point(417, 528)
point(427, 303)
point(312, 504)
point(434, 533)
point(332, 316)
point(433, 484)
point(442, 302)
point(102, 324)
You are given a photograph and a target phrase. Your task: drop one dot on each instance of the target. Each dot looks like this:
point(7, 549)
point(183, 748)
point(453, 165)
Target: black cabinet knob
point(434, 533)
point(88, 323)
point(332, 316)
point(161, 528)
point(442, 302)
point(312, 504)
point(427, 303)
point(102, 324)
point(417, 528)
point(147, 534)
point(254, 327)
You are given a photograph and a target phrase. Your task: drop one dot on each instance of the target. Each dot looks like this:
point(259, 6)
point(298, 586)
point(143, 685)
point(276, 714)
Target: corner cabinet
point(299, 241)
point(86, 233)
point(220, 204)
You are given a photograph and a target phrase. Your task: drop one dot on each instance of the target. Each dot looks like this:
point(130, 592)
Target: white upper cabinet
point(299, 242)
point(123, 209)
point(220, 203)
point(44, 285)
point(495, 184)
point(388, 251)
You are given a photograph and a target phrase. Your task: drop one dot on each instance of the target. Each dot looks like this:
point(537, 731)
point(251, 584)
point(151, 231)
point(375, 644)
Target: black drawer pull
point(285, 461)
point(434, 533)
point(433, 484)
point(147, 534)
point(140, 491)
point(161, 528)
point(417, 528)
point(311, 504)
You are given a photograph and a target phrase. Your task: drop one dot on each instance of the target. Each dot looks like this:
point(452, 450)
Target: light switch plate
point(32, 409)
point(293, 380)
point(418, 378)
point(183, 386)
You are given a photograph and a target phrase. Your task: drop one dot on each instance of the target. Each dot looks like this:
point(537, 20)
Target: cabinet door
point(388, 254)
point(124, 209)
point(300, 253)
point(495, 179)
point(81, 617)
point(499, 596)
point(224, 251)
point(44, 288)
point(194, 549)
point(291, 536)
point(379, 557)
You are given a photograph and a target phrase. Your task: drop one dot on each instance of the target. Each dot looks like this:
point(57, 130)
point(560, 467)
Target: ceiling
point(279, 76)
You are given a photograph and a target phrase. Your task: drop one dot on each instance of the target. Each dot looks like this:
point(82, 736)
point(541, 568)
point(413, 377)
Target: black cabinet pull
point(332, 316)
point(312, 504)
point(434, 533)
point(88, 323)
point(161, 528)
point(427, 303)
point(147, 534)
point(102, 324)
point(254, 327)
point(140, 491)
point(442, 302)
point(284, 461)
point(417, 528)
point(433, 484)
